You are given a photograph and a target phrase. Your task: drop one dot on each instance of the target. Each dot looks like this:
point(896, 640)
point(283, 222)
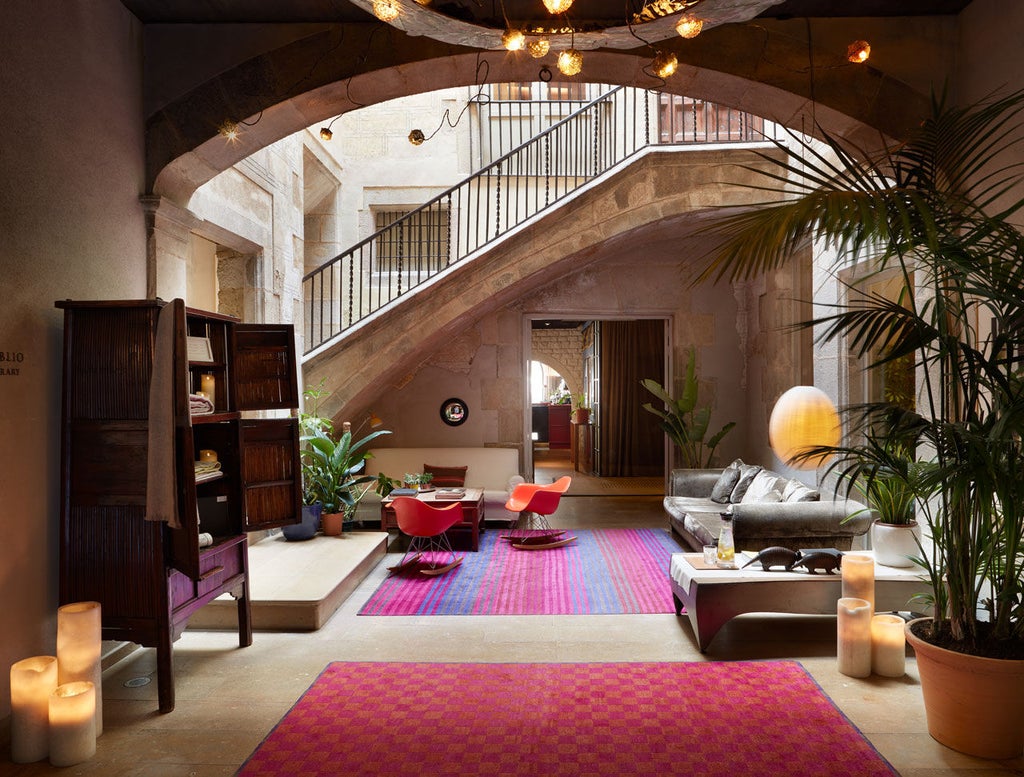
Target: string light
point(557, 6)
point(689, 26)
point(513, 40)
point(664, 64)
point(416, 137)
point(386, 10)
point(858, 51)
point(230, 131)
point(538, 48)
point(570, 62)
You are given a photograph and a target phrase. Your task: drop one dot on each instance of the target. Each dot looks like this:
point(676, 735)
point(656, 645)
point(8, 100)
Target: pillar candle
point(859, 578)
point(32, 682)
point(72, 715)
point(207, 385)
point(79, 628)
point(888, 646)
point(853, 637)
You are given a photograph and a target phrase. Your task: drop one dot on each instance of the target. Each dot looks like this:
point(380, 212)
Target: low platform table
point(712, 597)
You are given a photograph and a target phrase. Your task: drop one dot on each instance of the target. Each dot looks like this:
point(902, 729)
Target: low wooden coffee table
point(712, 597)
point(472, 513)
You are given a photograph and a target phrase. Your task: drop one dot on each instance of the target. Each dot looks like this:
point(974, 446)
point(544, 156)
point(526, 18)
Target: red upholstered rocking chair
point(426, 526)
point(535, 503)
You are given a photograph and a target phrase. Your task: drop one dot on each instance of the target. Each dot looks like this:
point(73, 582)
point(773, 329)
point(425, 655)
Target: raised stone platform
point(297, 586)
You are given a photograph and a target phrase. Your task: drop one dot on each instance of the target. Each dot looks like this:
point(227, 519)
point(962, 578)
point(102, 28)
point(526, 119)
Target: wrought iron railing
point(503, 194)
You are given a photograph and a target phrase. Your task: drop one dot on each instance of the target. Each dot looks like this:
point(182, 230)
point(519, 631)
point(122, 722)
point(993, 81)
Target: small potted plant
point(581, 411)
point(418, 481)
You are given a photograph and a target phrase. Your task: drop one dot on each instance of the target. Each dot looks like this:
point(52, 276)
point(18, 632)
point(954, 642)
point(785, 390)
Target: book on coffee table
point(450, 493)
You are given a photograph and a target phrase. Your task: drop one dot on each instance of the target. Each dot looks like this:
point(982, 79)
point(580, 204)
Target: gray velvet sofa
point(695, 519)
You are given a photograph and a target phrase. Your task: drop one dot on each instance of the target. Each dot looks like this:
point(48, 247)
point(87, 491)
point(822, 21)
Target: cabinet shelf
point(149, 577)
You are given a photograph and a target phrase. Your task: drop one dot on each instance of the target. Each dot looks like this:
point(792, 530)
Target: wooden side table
point(472, 513)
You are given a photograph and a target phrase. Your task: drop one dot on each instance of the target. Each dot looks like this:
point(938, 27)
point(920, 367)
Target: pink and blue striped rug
point(605, 572)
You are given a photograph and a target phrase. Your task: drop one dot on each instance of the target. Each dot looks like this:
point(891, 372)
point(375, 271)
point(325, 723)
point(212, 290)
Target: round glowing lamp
point(665, 64)
point(858, 51)
point(570, 62)
point(689, 26)
point(538, 47)
point(513, 40)
point(803, 418)
point(386, 10)
point(557, 6)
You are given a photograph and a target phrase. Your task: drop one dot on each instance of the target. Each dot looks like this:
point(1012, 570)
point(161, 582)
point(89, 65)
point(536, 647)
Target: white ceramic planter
point(894, 544)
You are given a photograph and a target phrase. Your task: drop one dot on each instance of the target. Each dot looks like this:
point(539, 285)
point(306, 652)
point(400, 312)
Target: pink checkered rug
point(698, 719)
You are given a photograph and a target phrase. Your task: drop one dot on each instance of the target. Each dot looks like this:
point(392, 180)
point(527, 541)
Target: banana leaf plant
point(683, 421)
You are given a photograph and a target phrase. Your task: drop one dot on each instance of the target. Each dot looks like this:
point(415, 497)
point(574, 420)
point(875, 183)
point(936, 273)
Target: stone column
point(168, 233)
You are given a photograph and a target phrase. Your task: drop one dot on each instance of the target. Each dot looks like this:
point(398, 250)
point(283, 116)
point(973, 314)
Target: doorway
point(597, 364)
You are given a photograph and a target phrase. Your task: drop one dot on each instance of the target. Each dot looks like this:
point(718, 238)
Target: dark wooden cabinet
point(558, 426)
point(150, 577)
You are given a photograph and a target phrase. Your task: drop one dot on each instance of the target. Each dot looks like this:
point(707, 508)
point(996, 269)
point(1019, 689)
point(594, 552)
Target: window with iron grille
point(413, 243)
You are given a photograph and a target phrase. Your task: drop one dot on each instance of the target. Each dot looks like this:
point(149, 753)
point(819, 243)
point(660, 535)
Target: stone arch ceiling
point(333, 69)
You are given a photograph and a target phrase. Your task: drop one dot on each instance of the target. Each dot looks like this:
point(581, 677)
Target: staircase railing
point(512, 189)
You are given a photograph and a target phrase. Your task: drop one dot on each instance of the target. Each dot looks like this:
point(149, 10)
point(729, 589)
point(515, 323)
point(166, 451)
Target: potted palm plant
point(939, 211)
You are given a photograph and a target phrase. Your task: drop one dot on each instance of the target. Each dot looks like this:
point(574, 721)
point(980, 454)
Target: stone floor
point(228, 698)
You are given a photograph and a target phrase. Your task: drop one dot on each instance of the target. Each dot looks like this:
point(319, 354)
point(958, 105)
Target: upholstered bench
point(495, 470)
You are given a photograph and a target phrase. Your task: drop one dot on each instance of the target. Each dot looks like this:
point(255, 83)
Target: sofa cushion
point(762, 488)
point(726, 483)
point(446, 477)
point(795, 491)
point(747, 474)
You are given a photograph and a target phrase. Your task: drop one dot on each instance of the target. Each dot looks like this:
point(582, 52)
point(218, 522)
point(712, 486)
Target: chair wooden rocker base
point(535, 503)
point(426, 526)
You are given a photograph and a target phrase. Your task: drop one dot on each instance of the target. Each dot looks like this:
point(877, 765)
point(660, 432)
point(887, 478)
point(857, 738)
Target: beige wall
point(71, 172)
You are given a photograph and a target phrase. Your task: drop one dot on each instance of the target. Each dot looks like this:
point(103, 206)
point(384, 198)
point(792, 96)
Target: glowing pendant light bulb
point(858, 51)
point(557, 6)
point(538, 48)
point(570, 62)
point(386, 10)
point(513, 40)
point(689, 26)
point(664, 64)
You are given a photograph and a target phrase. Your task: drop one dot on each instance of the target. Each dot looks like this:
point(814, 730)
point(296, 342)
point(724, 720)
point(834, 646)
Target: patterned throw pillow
point(747, 474)
point(726, 483)
point(446, 477)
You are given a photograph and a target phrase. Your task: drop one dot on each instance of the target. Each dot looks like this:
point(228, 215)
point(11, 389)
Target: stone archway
point(760, 69)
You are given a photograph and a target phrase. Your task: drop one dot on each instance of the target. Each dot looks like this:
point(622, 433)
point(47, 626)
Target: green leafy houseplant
point(684, 422)
point(331, 465)
point(936, 211)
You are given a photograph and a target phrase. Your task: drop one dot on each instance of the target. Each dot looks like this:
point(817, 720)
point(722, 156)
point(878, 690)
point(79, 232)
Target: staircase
point(503, 196)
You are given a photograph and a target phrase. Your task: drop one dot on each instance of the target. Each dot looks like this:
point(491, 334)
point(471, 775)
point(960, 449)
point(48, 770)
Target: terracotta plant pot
point(973, 705)
point(894, 544)
point(332, 523)
point(581, 415)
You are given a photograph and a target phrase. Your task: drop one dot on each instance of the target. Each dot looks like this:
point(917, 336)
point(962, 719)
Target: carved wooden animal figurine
point(812, 562)
point(775, 556)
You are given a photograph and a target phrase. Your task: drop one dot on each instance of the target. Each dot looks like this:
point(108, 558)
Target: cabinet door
point(263, 365)
point(271, 476)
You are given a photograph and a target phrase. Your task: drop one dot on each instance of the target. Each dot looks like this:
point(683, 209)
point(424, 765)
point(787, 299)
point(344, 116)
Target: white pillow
point(760, 487)
point(795, 491)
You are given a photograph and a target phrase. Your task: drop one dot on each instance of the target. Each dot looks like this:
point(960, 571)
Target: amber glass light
point(570, 62)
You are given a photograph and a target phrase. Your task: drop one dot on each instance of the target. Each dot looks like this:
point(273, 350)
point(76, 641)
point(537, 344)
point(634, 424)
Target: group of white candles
point(57, 701)
point(867, 643)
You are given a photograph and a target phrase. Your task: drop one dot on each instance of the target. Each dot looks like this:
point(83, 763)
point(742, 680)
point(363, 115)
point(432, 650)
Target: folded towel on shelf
point(199, 405)
point(206, 470)
point(205, 539)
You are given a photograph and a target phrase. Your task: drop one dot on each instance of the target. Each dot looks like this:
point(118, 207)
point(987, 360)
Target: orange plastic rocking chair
point(426, 526)
point(534, 503)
